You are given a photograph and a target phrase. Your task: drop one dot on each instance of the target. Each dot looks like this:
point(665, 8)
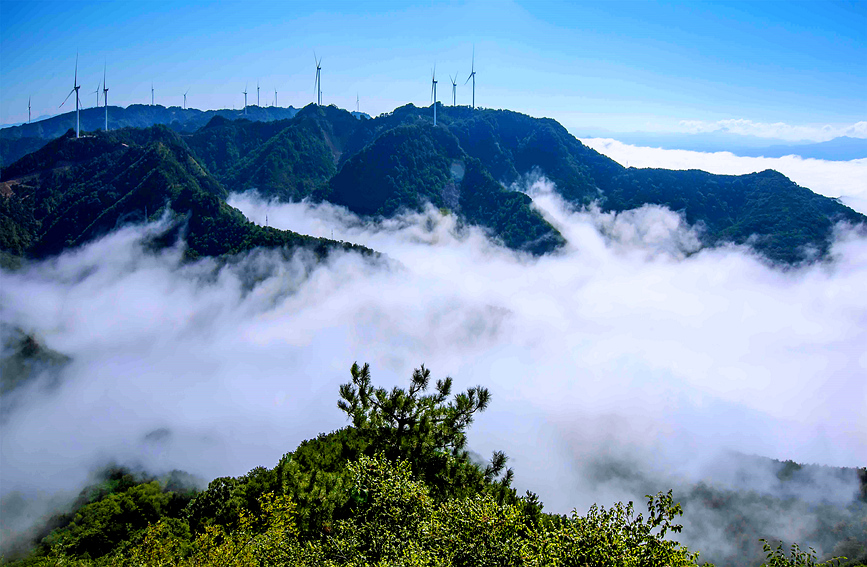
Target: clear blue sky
point(621, 66)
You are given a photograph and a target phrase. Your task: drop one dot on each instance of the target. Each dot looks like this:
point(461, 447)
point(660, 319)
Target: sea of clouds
point(630, 345)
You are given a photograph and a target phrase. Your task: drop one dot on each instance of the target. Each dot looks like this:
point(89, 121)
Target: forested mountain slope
point(471, 164)
point(17, 141)
point(379, 169)
point(75, 190)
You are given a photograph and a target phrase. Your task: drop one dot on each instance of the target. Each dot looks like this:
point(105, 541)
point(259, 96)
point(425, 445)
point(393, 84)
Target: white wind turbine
point(473, 76)
point(75, 88)
point(454, 88)
point(318, 79)
point(185, 99)
point(433, 92)
point(105, 97)
point(244, 92)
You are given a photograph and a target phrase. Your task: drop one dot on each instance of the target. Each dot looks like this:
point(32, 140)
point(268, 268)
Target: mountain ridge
point(469, 164)
point(75, 190)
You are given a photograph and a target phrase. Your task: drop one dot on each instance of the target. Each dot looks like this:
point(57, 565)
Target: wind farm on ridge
point(103, 88)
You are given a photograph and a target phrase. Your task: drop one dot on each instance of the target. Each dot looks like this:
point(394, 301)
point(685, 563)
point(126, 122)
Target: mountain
point(400, 161)
point(75, 190)
point(843, 148)
point(18, 141)
point(473, 164)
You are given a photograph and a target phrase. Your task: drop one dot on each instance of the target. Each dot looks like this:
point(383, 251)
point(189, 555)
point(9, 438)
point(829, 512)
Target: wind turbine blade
point(75, 83)
point(67, 98)
point(468, 78)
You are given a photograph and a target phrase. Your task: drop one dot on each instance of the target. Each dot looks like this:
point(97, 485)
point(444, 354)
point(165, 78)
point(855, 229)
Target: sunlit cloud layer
point(846, 180)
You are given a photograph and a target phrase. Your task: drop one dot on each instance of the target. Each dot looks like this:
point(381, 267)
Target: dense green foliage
point(467, 165)
point(396, 487)
point(398, 161)
point(402, 169)
point(75, 190)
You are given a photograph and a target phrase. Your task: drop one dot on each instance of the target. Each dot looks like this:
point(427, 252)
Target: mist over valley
point(526, 283)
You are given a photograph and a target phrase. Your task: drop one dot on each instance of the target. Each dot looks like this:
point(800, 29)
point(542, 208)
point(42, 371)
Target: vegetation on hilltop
point(75, 190)
point(398, 160)
point(396, 487)
point(469, 163)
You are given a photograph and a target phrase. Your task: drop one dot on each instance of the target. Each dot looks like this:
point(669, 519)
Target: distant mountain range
point(18, 141)
point(843, 148)
point(74, 190)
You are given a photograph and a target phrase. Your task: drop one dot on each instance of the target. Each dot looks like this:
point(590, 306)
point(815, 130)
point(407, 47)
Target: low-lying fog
point(630, 346)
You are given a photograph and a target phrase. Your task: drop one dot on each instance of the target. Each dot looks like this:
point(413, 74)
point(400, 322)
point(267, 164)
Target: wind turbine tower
point(152, 93)
point(245, 99)
point(105, 97)
point(473, 76)
point(185, 99)
point(357, 104)
point(257, 93)
point(318, 80)
point(98, 87)
point(454, 88)
point(275, 97)
point(75, 88)
point(28, 110)
point(433, 92)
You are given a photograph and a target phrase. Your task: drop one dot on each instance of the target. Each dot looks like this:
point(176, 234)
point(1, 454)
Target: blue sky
point(766, 67)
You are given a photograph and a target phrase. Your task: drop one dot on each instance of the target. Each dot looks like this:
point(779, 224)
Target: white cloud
point(846, 180)
point(777, 130)
point(628, 343)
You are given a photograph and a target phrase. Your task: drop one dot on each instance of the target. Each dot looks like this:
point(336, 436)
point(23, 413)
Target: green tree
point(427, 429)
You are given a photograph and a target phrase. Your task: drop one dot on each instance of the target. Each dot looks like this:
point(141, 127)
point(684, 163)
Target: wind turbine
point(257, 93)
point(433, 92)
point(454, 88)
point(98, 87)
point(185, 99)
point(473, 76)
point(318, 81)
point(275, 97)
point(152, 93)
point(245, 99)
point(357, 104)
point(75, 88)
point(28, 110)
point(105, 97)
